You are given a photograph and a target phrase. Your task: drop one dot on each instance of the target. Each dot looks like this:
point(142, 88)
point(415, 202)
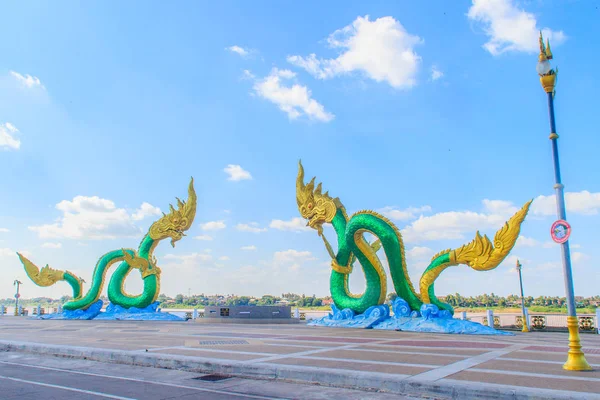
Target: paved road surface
point(27, 377)
point(403, 362)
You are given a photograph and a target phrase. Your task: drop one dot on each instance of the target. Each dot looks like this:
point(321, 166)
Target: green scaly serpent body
point(116, 292)
point(320, 208)
point(172, 225)
point(349, 234)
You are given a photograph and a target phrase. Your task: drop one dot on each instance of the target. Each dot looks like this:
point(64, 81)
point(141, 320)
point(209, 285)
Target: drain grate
point(212, 377)
point(221, 342)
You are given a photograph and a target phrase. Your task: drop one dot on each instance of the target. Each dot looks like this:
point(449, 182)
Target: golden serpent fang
point(172, 225)
point(319, 208)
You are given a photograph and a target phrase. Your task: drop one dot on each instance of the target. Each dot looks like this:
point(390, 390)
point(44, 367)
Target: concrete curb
point(374, 381)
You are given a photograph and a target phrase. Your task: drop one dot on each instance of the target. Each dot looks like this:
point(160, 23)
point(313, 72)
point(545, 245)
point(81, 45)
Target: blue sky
point(431, 113)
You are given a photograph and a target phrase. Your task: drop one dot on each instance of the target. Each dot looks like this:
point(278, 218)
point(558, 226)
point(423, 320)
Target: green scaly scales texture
point(115, 286)
point(391, 242)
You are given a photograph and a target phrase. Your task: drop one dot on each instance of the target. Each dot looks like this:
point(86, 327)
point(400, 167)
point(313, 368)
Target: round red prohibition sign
point(560, 231)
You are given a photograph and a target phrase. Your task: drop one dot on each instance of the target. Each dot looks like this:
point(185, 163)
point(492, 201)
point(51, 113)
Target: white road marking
point(348, 360)
point(307, 352)
point(227, 351)
point(420, 353)
point(106, 395)
point(302, 353)
point(459, 366)
point(250, 396)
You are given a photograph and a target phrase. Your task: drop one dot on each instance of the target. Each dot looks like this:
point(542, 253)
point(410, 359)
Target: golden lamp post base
point(576, 360)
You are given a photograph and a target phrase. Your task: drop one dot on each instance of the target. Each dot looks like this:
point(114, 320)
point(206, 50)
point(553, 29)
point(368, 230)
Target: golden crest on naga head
point(316, 207)
point(177, 221)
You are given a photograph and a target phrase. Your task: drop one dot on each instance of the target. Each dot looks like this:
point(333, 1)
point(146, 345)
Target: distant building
point(327, 301)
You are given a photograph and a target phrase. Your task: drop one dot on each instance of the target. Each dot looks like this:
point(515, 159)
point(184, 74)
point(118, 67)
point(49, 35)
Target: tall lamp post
point(576, 359)
point(17, 283)
point(525, 328)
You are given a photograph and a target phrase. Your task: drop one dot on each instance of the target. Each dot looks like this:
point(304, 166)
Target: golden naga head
point(316, 207)
point(177, 221)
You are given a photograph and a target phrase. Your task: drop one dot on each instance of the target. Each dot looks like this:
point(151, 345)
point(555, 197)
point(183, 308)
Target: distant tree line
point(300, 300)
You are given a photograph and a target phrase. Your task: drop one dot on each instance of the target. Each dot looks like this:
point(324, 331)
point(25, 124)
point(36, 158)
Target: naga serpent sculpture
point(172, 225)
point(320, 208)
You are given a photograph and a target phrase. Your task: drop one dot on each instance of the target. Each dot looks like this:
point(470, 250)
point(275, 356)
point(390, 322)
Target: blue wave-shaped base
point(90, 313)
point(116, 313)
point(150, 313)
point(347, 319)
point(428, 319)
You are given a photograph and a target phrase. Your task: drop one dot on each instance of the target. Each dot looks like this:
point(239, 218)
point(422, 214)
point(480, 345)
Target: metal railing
point(538, 322)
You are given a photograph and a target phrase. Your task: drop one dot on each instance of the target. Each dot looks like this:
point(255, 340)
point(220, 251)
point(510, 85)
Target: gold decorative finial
point(542, 56)
point(545, 52)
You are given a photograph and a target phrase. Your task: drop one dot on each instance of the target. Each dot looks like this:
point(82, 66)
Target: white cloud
point(237, 173)
point(417, 259)
point(292, 255)
point(145, 210)
point(403, 215)
point(418, 252)
point(524, 241)
point(436, 73)
point(6, 252)
point(188, 266)
point(4, 230)
point(381, 49)
point(450, 225)
point(213, 226)
point(248, 248)
point(49, 245)
point(203, 237)
point(295, 100)
point(579, 257)
point(547, 266)
point(27, 80)
point(186, 258)
point(251, 227)
point(89, 218)
point(454, 224)
point(501, 207)
point(247, 75)
point(295, 224)
point(7, 137)
point(509, 28)
point(584, 203)
point(238, 50)
point(223, 258)
point(292, 259)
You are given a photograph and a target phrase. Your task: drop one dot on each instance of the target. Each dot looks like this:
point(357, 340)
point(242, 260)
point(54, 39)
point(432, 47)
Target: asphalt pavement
point(524, 366)
point(30, 377)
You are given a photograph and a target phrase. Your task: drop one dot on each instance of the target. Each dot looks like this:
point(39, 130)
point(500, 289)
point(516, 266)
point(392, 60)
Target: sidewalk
point(524, 366)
